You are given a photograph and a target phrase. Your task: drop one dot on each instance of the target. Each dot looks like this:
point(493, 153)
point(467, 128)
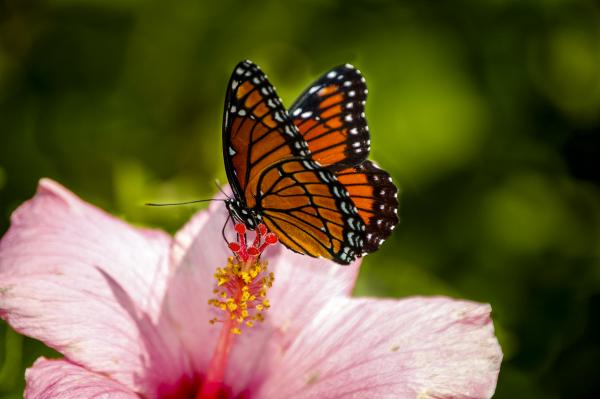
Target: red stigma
point(262, 240)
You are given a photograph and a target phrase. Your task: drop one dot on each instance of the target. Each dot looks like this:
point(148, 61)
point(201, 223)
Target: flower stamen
point(243, 283)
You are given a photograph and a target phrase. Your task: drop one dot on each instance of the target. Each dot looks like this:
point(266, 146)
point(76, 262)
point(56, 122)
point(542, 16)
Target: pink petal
point(413, 348)
point(61, 379)
point(303, 286)
point(89, 286)
point(198, 250)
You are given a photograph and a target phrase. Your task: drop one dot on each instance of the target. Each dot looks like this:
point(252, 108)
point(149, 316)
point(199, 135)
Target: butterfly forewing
point(375, 196)
point(257, 131)
point(310, 211)
point(330, 116)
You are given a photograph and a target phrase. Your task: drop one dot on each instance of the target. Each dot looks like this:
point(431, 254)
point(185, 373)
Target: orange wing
point(310, 211)
point(308, 178)
point(257, 131)
point(375, 196)
point(330, 116)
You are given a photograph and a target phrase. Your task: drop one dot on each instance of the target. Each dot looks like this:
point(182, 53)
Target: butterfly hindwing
point(330, 116)
point(257, 131)
point(375, 196)
point(310, 211)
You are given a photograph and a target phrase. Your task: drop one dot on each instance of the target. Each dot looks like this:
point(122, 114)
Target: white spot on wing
point(336, 192)
point(308, 165)
point(324, 177)
point(351, 223)
point(289, 131)
point(344, 207)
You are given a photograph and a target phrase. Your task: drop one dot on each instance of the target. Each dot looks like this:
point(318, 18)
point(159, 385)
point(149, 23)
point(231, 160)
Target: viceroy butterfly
point(305, 173)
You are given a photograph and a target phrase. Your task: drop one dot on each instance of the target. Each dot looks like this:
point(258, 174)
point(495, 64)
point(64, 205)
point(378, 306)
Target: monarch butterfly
point(305, 173)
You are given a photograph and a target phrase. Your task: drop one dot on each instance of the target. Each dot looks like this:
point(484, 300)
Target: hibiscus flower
point(130, 311)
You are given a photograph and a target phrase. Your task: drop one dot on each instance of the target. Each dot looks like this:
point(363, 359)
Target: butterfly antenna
point(218, 184)
point(223, 230)
point(183, 203)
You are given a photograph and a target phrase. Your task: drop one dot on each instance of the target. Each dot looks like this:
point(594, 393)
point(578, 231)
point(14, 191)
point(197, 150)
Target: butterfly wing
point(375, 197)
point(257, 130)
point(330, 116)
point(271, 170)
point(310, 211)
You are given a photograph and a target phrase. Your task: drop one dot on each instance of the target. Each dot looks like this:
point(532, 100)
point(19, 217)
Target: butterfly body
point(240, 213)
point(304, 173)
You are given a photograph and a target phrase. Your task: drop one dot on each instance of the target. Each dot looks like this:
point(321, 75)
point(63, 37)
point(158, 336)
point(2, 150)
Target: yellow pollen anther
point(241, 292)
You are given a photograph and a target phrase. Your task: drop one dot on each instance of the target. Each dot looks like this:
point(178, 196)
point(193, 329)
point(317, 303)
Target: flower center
point(242, 296)
point(243, 283)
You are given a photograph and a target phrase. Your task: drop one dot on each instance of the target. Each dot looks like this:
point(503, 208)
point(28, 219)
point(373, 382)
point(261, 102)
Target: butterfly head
point(242, 214)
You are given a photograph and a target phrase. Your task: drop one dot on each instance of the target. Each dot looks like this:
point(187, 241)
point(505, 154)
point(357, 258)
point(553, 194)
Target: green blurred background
point(487, 114)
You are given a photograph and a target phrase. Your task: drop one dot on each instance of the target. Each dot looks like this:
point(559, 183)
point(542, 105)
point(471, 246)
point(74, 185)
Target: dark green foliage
point(487, 115)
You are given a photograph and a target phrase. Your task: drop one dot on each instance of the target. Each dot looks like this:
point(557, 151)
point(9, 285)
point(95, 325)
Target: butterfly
point(304, 173)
